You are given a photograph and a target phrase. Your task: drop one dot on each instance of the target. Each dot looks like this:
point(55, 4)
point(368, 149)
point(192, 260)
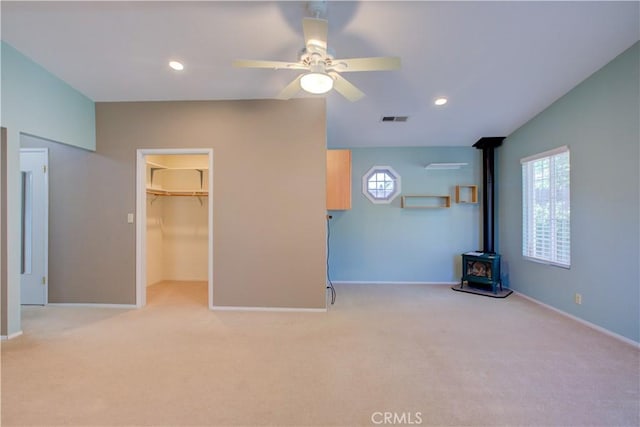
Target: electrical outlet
point(578, 298)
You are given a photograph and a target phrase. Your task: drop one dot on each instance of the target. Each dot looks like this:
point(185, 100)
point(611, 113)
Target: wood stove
point(481, 269)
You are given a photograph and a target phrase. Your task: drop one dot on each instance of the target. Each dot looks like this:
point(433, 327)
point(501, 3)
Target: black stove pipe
point(488, 145)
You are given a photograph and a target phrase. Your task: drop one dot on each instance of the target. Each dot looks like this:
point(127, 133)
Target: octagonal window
point(381, 184)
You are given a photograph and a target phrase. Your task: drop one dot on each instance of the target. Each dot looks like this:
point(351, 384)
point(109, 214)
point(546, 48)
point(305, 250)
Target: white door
point(34, 165)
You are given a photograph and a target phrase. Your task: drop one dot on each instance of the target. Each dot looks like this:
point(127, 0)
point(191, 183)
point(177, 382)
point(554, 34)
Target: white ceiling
point(499, 63)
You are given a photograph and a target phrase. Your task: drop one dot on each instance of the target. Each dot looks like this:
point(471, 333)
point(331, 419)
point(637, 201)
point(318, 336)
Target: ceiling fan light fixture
point(316, 83)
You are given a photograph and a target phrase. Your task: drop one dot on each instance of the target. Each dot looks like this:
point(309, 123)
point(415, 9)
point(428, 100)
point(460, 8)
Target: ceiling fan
point(322, 70)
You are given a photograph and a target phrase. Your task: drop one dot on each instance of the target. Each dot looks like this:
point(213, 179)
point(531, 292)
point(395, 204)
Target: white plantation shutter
point(546, 207)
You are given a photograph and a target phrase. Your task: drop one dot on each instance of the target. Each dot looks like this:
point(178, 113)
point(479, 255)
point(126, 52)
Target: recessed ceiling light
point(440, 101)
point(176, 65)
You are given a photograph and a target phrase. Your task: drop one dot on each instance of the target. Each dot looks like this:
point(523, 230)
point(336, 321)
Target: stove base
point(500, 293)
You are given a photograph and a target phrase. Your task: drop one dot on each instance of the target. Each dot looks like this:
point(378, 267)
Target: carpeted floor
point(424, 353)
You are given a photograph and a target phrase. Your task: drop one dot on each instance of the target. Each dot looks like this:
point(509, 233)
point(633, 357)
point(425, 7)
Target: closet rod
point(178, 193)
point(198, 194)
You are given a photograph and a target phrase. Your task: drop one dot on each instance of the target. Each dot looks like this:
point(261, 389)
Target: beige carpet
point(455, 358)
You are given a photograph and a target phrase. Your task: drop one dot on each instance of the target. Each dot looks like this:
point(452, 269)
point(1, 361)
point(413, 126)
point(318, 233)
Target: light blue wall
point(599, 121)
point(35, 102)
point(38, 103)
point(384, 243)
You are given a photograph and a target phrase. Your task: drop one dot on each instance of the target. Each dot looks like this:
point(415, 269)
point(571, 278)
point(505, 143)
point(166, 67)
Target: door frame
point(45, 225)
point(141, 218)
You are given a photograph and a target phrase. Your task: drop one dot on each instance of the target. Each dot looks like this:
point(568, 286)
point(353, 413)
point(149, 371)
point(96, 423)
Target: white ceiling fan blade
point(366, 64)
point(315, 32)
point(346, 89)
point(291, 89)
point(274, 65)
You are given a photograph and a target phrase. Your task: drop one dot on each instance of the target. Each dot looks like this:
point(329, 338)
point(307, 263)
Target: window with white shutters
point(546, 209)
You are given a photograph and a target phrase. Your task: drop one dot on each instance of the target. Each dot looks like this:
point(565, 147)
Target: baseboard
point(584, 322)
point(280, 309)
point(10, 336)
point(363, 282)
point(91, 305)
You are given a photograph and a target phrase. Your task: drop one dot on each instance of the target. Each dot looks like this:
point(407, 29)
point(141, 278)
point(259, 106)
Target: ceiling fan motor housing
point(318, 67)
point(310, 58)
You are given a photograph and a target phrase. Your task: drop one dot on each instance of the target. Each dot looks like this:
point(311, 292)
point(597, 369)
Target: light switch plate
point(130, 218)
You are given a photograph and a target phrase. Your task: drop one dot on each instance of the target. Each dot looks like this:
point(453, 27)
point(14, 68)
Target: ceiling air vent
point(394, 118)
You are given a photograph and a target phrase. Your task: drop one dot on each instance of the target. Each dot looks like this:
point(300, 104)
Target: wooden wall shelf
point(425, 201)
point(467, 194)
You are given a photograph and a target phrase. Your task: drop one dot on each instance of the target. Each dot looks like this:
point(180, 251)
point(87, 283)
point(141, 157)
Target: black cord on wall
point(333, 290)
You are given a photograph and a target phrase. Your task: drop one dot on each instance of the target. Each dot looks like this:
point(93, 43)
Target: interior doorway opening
point(174, 226)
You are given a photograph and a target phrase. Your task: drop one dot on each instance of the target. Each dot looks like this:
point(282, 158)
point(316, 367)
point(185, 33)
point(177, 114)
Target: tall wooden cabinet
point(338, 179)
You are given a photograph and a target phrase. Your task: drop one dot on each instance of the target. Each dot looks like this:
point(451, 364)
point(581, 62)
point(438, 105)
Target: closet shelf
point(153, 170)
point(156, 192)
point(159, 166)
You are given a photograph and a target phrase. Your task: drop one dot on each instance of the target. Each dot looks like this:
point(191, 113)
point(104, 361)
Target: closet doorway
point(174, 225)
